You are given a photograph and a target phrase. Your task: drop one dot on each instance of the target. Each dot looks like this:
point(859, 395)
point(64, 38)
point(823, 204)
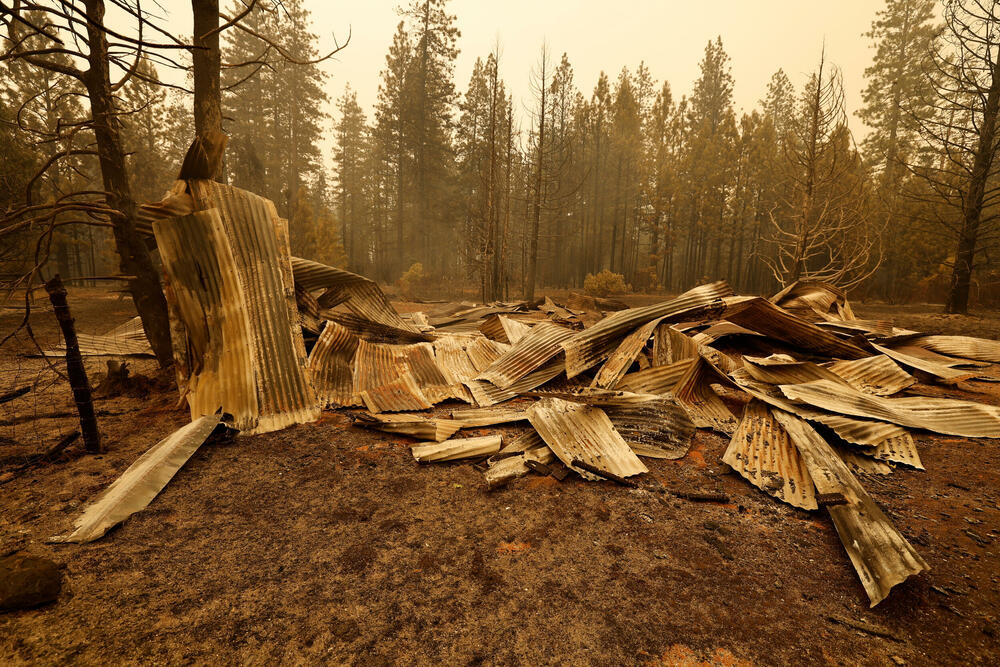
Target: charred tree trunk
point(74, 367)
point(133, 255)
point(972, 205)
point(207, 61)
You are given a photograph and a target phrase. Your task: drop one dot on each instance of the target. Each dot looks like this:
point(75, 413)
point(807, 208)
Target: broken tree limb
point(75, 370)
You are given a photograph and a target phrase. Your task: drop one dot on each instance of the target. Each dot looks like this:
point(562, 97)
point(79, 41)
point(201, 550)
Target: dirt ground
point(324, 543)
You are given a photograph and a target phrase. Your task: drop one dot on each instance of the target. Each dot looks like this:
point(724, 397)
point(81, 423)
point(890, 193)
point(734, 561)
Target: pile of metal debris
point(806, 392)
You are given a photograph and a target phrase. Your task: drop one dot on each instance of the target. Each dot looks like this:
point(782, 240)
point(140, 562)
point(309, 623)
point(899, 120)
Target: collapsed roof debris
point(804, 392)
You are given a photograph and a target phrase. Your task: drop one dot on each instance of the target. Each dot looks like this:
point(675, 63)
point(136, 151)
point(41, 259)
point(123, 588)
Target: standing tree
point(963, 131)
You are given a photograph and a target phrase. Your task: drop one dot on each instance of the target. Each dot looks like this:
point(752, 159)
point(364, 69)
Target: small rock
point(27, 582)
point(898, 660)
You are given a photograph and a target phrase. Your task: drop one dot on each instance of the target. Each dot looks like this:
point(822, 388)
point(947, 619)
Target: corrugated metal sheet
point(857, 431)
point(764, 317)
point(400, 395)
point(475, 417)
point(593, 345)
point(452, 358)
point(899, 449)
point(853, 327)
point(176, 203)
point(596, 396)
point(761, 451)
point(877, 375)
point(483, 352)
point(331, 365)
point(860, 461)
point(780, 369)
point(575, 431)
point(359, 294)
point(624, 355)
point(881, 556)
point(523, 441)
point(259, 245)
point(375, 332)
point(503, 329)
point(941, 415)
point(815, 297)
point(981, 349)
point(487, 394)
point(416, 426)
point(512, 467)
point(529, 354)
point(706, 409)
point(214, 351)
point(455, 449)
point(434, 382)
point(659, 429)
point(655, 380)
point(938, 370)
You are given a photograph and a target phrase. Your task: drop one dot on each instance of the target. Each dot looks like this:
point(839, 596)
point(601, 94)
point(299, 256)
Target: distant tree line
point(629, 175)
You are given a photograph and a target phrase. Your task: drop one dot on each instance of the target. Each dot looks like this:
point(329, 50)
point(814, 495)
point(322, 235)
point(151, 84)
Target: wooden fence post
point(74, 367)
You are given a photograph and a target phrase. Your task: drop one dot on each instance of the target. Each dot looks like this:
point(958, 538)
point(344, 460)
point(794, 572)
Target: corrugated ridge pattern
point(881, 556)
point(592, 345)
point(878, 375)
point(331, 364)
point(207, 293)
point(981, 349)
point(941, 415)
point(365, 297)
point(764, 317)
point(761, 452)
point(529, 353)
point(575, 431)
point(284, 393)
point(487, 394)
point(656, 380)
point(658, 429)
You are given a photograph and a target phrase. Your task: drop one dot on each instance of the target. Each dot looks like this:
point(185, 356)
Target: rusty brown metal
point(529, 354)
point(880, 554)
point(877, 375)
point(765, 318)
point(582, 432)
point(761, 451)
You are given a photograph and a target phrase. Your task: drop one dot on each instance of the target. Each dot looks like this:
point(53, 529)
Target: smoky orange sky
point(670, 36)
point(759, 35)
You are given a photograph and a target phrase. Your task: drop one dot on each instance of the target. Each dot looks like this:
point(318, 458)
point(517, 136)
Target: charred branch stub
point(75, 370)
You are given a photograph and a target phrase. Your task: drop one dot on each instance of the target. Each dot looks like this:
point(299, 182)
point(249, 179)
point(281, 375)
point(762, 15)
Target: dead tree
point(823, 231)
point(963, 130)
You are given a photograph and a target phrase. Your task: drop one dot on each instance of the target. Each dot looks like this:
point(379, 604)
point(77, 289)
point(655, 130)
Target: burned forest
point(313, 353)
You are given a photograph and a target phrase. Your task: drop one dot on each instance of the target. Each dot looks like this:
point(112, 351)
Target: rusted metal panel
point(375, 332)
point(455, 449)
point(512, 467)
point(487, 394)
point(435, 383)
point(761, 451)
point(706, 409)
point(624, 355)
point(659, 429)
point(591, 346)
point(574, 431)
point(451, 356)
point(483, 352)
point(596, 396)
point(215, 358)
point(655, 380)
point(981, 349)
point(878, 375)
point(941, 415)
point(416, 426)
point(764, 317)
point(781, 369)
point(815, 297)
point(475, 417)
point(359, 294)
point(400, 395)
point(331, 365)
point(860, 461)
point(504, 329)
point(529, 354)
point(881, 556)
point(141, 482)
point(939, 370)
point(857, 431)
point(899, 449)
point(259, 244)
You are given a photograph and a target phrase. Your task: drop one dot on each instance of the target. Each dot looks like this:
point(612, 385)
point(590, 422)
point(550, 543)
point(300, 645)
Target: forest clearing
point(616, 380)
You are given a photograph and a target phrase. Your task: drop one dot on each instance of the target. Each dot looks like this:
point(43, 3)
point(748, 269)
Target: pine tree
point(351, 132)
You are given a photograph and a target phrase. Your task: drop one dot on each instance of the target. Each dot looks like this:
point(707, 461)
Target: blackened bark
point(134, 259)
point(207, 61)
point(78, 381)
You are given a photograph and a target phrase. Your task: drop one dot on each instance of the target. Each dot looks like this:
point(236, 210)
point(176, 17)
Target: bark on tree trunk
point(74, 367)
point(134, 258)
